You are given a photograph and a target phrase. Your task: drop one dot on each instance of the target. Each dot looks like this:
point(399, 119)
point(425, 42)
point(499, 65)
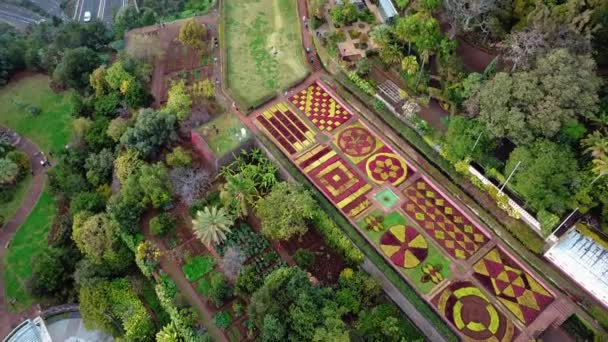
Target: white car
point(87, 16)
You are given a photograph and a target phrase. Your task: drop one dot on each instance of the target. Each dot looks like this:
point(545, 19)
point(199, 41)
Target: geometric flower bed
point(386, 198)
point(320, 107)
point(286, 128)
point(515, 288)
point(404, 246)
point(459, 237)
point(469, 310)
point(370, 154)
point(336, 179)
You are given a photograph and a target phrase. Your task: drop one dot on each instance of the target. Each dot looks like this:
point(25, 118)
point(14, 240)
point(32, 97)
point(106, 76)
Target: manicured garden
point(262, 49)
point(30, 239)
point(421, 262)
point(32, 109)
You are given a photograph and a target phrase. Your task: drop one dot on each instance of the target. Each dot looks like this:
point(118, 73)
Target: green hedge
point(578, 329)
point(408, 292)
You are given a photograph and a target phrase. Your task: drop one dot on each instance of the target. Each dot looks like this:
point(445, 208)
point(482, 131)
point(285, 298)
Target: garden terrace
point(419, 230)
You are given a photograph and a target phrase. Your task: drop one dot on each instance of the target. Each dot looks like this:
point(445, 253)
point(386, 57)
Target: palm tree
point(170, 333)
point(596, 144)
point(212, 225)
point(600, 165)
point(238, 193)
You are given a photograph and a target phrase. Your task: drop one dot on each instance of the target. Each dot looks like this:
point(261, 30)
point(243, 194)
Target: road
point(18, 17)
point(103, 10)
point(52, 7)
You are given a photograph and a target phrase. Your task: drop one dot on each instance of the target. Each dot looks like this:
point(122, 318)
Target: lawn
point(433, 257)
point(29, 240)
point(263, 50)
point(7, 210)
point(51, 129)
point(198, 267)
point(224, 133)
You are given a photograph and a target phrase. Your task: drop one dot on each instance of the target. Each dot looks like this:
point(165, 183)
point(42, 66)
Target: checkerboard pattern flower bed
point(513, 286)
point(470, 311)
point(320, 107)
point(448, 226)
point(380, 163)
point(286, 129)
point(336, 179)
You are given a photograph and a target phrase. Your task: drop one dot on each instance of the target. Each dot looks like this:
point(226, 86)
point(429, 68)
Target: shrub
point(198, 267)
point(580, 330)
point(161, 224)
point(248, 281)
point(222, 319)
point(220, 289)
point(304, 258)
point(204, 287)
point(179, 157)
point(22, 160)
point(548, 221)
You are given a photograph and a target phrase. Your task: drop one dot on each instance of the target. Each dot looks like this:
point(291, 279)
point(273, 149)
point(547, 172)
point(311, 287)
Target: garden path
point(183, 285)
point(9, 319)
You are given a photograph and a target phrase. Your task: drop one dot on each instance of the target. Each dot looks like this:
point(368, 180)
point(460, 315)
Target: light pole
point(508, 178)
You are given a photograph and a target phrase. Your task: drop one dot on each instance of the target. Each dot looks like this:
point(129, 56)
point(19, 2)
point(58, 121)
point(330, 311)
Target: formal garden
point(413, 224)
point(262, 49)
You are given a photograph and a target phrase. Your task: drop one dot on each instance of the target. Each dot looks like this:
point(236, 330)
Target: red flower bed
point(320, 107)
point(286, 129)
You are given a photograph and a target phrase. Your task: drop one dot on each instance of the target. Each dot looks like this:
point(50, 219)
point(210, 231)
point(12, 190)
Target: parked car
point(87, 16)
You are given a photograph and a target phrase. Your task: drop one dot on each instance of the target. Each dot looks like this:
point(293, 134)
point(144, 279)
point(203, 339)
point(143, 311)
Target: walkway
point(10, 319)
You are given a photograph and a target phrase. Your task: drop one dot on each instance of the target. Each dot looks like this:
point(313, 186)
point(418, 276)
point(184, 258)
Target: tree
point(522, 46)
point(212, 225)
point(382, 323)
point(465, 15)
point(99, 167)
point(363, 67)
point(189, 184)
point(52, 272)
point(117, 76)
point(128, 18)
point(96, 236)
point(462, 136)
point(105, 105)
point(525, 105)
point(127, 164)
point(238, 193)
point(220, 289)
point(98, 80)
point(22, 160)
point(147, 257)
point(145, 47)
point(127, 206)
point(117, 128)
point(409, 65)
point(88, 201)
point(547, 175)
point(75, 67)
point(191, 34)
point(9, 172)
point(154, 180)
point(390, 54)
point(179, 157)
point(179, 101)
point(597, 146)
point(382, 35)
point(152, 130)
point(232, 262)
point(344, 14)
point(284, 212)
point(161, 224)
point(170, 333)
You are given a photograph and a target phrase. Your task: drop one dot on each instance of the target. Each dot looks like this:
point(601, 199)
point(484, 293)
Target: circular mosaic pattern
point(356, 142)
point(473, 315)
point(386, 167)
point(404, 246)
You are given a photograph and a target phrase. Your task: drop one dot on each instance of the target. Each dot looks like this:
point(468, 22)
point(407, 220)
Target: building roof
point(387, 9)
point(584, 260)
point(25, 332)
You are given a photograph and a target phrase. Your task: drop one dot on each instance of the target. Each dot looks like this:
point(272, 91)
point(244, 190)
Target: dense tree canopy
point(152, 130)
point(547, 175)
point(525, 105)
point(285, 211)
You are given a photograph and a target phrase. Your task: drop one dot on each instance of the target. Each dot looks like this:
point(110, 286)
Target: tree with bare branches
point(189, 184)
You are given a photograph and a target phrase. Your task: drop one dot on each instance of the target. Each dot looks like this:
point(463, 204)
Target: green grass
point(387, 198)
point(228, 135)
point(51, 129)
point(198, 267)
point(29, 240)
point(263, 51)
point(434, 257)
point(8, 210)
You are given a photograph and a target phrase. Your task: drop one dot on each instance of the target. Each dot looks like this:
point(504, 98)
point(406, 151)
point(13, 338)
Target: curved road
point(9, 319)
